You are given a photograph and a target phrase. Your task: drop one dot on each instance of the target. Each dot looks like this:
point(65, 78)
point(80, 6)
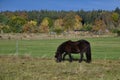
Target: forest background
point(46, 21)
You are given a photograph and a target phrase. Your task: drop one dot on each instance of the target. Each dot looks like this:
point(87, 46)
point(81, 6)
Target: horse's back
point(83, 42)
point(74, 45)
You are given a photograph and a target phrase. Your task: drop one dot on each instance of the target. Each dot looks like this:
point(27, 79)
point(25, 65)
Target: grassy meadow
point(36, 60)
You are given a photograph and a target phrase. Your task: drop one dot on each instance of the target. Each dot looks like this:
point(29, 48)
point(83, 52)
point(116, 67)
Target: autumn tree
point(44, 26)
point(16, 19)
point(99, 26)
point(30, 27)
point(58, 26)
point(22, 14)
point(78, 24)
point(4, 28)
point(58, 22)
point(106, 18)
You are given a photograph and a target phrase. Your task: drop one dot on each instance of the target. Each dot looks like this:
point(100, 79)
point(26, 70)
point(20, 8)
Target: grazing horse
point(77, 47)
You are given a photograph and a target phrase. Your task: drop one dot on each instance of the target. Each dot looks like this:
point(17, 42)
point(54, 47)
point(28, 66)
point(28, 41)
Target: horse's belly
point(75, 52)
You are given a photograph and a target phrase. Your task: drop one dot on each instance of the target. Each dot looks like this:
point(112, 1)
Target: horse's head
point(58, 57)
point(59, 52)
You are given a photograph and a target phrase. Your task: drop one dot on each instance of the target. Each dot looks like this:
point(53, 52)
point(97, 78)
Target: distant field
point(37, 61)
point(105, 48)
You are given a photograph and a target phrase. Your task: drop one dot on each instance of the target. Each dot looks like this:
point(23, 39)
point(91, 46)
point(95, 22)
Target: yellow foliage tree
point(99, 26)
point(30, 26)
point(58, 26)
point(58, 22)
point(44, 26)
point(78, 24)
point(115, 17)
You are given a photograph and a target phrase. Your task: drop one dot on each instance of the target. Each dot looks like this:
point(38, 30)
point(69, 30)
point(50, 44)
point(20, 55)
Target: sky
point(13, 5)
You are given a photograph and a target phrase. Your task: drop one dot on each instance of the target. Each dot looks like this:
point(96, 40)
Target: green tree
point(16, 23)
point(117, 10)
point(3, 19)
point(115, 17)
point(69, 21)
point(50, 22)
point(87, 27)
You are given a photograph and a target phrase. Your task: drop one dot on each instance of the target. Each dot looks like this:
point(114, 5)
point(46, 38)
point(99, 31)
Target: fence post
point(16, 47)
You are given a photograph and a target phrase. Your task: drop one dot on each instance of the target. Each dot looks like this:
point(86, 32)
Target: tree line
point(44, 21)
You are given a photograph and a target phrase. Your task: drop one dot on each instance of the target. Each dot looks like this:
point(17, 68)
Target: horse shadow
point(74, 60)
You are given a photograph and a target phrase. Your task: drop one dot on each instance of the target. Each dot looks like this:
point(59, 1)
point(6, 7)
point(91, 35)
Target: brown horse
point(68, 47)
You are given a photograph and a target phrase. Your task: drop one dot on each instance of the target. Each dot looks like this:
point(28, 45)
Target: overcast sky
point(13, 5)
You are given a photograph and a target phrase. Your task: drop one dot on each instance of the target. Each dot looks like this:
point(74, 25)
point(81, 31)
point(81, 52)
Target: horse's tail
point(88, 53)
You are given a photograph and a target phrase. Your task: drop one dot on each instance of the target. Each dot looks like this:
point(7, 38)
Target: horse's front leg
point(81, 57)
point(64, 56)
point(70, 57)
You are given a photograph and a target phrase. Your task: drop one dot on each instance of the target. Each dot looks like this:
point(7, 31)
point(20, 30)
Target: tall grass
point(29, 68)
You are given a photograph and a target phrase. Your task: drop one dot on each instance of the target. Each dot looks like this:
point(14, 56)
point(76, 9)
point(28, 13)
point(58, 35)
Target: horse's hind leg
point(88, 55)
point(81, 57)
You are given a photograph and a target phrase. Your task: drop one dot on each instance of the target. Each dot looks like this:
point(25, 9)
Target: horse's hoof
point(63, 60)
point(80, 61)
point(58, 61)
point(88, 61)
point(70, 61)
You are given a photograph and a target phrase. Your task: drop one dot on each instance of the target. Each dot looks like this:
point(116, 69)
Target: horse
point(75, 47)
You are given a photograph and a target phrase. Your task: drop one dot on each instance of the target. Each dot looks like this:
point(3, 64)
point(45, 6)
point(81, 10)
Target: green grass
point(37, 61)
point(108, 48)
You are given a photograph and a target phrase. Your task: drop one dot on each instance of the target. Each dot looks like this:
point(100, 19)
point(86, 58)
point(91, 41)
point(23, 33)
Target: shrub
point(116, 31)
point(87, 27)
point(58, 30)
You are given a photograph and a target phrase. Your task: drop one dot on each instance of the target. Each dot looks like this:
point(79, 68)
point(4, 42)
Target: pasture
point(34, 60)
